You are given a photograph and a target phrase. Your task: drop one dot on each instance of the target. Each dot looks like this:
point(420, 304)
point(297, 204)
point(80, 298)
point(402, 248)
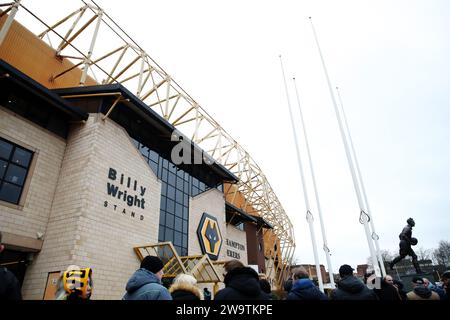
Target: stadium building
point(105, 159)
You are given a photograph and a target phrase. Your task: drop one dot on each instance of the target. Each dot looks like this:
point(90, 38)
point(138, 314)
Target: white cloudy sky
point(391, 62)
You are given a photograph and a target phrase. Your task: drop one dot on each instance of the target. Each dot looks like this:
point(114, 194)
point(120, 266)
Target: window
point(14, 164)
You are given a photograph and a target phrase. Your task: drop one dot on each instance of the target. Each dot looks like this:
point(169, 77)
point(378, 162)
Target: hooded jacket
point(185, 291)
point(304, 289)
point(241, 284)
point(351, 288)
point(144, 285)
point(387, 292)
point(422, 293)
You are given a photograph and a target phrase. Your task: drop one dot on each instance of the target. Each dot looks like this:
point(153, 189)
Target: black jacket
point(387, 292)
point(351, 288)
point(304, 289)
point(241, 284)
point(9, 286)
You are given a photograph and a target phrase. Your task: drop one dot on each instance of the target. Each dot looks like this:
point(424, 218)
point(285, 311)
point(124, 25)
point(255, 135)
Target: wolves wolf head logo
point(212, 235)
point(209, 236)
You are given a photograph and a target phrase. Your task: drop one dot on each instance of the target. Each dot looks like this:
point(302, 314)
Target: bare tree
point(423, 254)
point(387, 255)
point(442, 253)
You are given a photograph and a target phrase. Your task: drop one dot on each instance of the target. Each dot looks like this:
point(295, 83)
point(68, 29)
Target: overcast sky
point(390, 60)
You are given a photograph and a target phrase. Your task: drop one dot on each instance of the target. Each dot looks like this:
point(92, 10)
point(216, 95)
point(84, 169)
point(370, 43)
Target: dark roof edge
point(241, 212)
point(23, 80)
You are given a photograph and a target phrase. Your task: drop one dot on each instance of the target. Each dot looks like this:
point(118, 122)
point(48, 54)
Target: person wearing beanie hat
point(145, 283)
point(152, 264)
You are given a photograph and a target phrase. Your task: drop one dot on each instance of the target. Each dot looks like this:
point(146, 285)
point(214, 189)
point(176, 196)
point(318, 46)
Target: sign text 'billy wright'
point(126, 189)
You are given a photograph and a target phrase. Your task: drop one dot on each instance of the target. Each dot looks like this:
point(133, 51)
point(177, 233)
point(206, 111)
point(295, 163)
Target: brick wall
point(33, 215)
point(236, 235)
point(81, 229)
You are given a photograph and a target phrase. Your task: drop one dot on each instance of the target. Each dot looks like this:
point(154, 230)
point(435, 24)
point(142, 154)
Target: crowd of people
point(241, 283)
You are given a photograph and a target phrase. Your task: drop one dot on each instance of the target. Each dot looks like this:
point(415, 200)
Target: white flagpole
point(375, 237)
point(364, 217)
point(316, 193)
point(309, 216)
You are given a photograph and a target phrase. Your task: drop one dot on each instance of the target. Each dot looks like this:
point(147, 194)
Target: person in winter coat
point(388, 292)
point(399, 286)
point(350, 287)
point(420, 292)
point(428, 284)
point(303, 288)
point(184, 288)
point(445, 285)
point(9, 285)
point(241, 283)
point(145, 283)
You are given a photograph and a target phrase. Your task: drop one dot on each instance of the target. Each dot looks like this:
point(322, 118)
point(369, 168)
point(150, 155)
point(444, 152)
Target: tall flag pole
point(363, 216)
point(319, 209)
point(309, 216)
point(375, 237)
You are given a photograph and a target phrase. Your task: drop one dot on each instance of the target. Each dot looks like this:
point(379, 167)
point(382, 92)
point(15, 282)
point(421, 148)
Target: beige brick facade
point(237, 244)
point(67, 201)
point(81, 229)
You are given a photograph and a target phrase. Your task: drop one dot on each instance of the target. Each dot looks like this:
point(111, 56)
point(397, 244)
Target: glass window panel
point(178, 224)
point(162, 217)
point(169, 235)
point(185, 199)
point(170, 192)
point(3, 165)
point(184, 252)
point(177, 238)
point(154, 167)
point(170, 206)
point(163, 189)
point(161, 235)
point(195, 182)
point(180, 182)
point(164, 175)
point(5, 149)
point(165, 163)
point(172, 168)
point(185, 213)
point(172, 179)
point(153, 156)
point(179, 196)
point(185, 226)
point(186, 186)
point(9, 192)
point(184, 241)
point(163, 202)
point(202, 186)
point(159, 169)
point(178, 210)
point(180, 173)
point(15, 174)
point(170, 220)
